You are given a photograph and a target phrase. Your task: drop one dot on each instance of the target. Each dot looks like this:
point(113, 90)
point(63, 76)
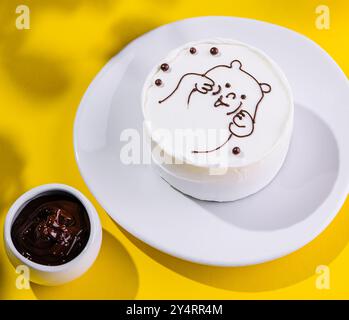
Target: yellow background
point(44, 72)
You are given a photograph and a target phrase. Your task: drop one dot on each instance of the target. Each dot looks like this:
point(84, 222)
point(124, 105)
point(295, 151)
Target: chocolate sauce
point(51, 229)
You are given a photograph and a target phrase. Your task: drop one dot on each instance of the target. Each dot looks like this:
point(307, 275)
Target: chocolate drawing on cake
point(240, 93)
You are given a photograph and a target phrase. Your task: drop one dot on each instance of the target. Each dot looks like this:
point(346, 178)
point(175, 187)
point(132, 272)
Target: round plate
point(300, 202)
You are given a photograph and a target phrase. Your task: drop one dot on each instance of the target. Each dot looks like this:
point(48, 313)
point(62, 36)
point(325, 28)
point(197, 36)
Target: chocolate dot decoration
point(214, 51)
point(236, 150)
point(227, 85)
point(158, 82)
point(192, 50)
point(243, 96)
point(164, 67)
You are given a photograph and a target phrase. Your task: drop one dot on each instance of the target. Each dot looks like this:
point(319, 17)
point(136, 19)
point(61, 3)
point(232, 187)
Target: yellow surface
point(44, 72)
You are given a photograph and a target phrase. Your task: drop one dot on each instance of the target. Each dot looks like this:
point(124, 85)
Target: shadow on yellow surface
point(37, 74)
point(268, 276)
point(113, 276)
point(11, 186)
point(68, 4)
point(11, 168)
point(127, 29)
point(47, 72)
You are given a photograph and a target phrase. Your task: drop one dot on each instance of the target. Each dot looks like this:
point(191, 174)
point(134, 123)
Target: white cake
point(220, 117)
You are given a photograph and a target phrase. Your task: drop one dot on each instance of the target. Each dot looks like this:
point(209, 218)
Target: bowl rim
point(95, 225)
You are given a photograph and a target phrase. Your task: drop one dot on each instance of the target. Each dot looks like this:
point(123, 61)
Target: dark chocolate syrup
point(51, 229)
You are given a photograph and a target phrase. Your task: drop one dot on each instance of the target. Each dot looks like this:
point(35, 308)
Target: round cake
point(220, 115)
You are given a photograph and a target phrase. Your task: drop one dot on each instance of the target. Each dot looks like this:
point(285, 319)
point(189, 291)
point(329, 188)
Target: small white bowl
point(55, 275)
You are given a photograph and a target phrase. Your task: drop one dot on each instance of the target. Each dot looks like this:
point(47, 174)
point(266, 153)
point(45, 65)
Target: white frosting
point(206, 105)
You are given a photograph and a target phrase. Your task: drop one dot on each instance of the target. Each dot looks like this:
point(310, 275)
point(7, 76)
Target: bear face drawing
point(233, 89)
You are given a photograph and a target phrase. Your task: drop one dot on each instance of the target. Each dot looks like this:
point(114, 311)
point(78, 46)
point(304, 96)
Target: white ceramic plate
point(290, 212)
